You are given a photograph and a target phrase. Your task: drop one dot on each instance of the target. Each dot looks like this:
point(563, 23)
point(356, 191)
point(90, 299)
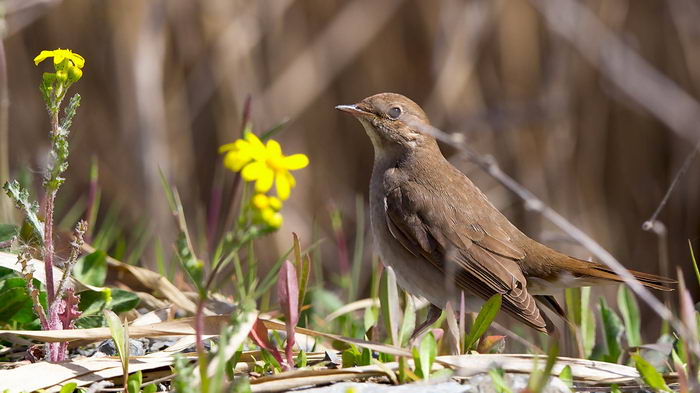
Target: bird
point(443, 237)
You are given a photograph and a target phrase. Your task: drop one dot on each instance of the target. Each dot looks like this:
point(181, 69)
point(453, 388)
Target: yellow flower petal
point(227, 147)
point(296, 161)
point(45, 54)
point(265, 179)
point(292, 181)
point(283, 186)
point(236, 160)
point(254, 171)
point(78, 61)
point(58, 57)
point(273, 148)
point(256, 147)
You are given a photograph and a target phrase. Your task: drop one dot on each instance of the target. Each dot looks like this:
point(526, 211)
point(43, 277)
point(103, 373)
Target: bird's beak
point(353, 110)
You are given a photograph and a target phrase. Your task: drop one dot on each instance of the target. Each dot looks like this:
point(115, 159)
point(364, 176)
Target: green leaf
point(389, 301)
point(629, 309)
point(649, 374)
point(695, 262)
point(93, 302)
point(351, 357)
point(123, 300)
point(68, 388)
point(427, 353)
point(615, 389)
point(134, 382)
point(8, 231)
point(15, 303)
point(120, 335)
point(269, 133)
point(302, 359)
point(567, 376)
point(150, 388)
point(92, 269)
point(21, 198)
point(371, 316)
point(408, 323)
point(539, 378)
point(486, 315)
point(499, 382)
point(577, 300)
point(612, 331)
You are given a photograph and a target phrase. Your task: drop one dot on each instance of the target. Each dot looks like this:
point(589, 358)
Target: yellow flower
point(67, 64)
point(59, 55)
point(263, 163)
point(268, 209)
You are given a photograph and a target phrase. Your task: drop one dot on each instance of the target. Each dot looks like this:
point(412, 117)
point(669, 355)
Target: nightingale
point(442, 236)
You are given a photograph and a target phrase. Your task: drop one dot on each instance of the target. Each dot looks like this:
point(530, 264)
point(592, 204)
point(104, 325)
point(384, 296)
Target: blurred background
point(592, 105)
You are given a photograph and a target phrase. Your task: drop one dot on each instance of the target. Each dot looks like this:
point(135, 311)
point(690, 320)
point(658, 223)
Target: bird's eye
point(394, 112)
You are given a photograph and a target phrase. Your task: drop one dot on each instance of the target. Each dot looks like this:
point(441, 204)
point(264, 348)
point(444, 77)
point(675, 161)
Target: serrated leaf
point(21, 198)
point(483, 320)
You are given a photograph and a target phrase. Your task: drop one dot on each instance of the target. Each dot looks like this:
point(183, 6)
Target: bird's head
point(392, 121)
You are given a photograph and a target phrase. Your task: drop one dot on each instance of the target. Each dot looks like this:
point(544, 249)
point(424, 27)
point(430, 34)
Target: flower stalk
point(61, 301)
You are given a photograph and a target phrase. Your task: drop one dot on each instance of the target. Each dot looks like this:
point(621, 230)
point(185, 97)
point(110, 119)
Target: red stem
point(48, 247)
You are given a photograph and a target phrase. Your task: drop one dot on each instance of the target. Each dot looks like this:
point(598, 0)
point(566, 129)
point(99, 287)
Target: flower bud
point(260, 201)
point(61, 76)
point(74, 73)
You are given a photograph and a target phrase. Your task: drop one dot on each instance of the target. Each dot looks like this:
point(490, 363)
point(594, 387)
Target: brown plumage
point(426, 214)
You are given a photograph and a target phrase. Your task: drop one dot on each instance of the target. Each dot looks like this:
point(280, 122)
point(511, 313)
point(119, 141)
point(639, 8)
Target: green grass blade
point(629, 309)
point(486, 315)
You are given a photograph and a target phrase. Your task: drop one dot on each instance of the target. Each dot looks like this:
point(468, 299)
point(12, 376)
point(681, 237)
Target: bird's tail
point(597, 273)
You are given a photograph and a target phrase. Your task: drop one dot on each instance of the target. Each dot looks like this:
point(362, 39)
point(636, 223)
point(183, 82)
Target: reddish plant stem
point(48, 247)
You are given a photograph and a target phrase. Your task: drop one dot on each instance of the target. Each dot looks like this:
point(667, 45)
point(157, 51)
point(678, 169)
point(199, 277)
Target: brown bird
point(430, 222)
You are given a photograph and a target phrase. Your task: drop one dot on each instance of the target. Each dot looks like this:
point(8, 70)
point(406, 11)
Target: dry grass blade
point(293, 379)
point(51, 376)
point(9, 261)
point(179, 327)
point(354, 306)
point(584, 371)
point(385, 348)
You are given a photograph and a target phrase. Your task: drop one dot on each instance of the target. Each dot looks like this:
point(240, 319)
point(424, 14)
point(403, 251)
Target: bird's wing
point(486, 260)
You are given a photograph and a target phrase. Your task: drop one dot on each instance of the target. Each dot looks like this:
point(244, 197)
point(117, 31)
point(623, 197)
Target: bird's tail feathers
point(599, 273)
